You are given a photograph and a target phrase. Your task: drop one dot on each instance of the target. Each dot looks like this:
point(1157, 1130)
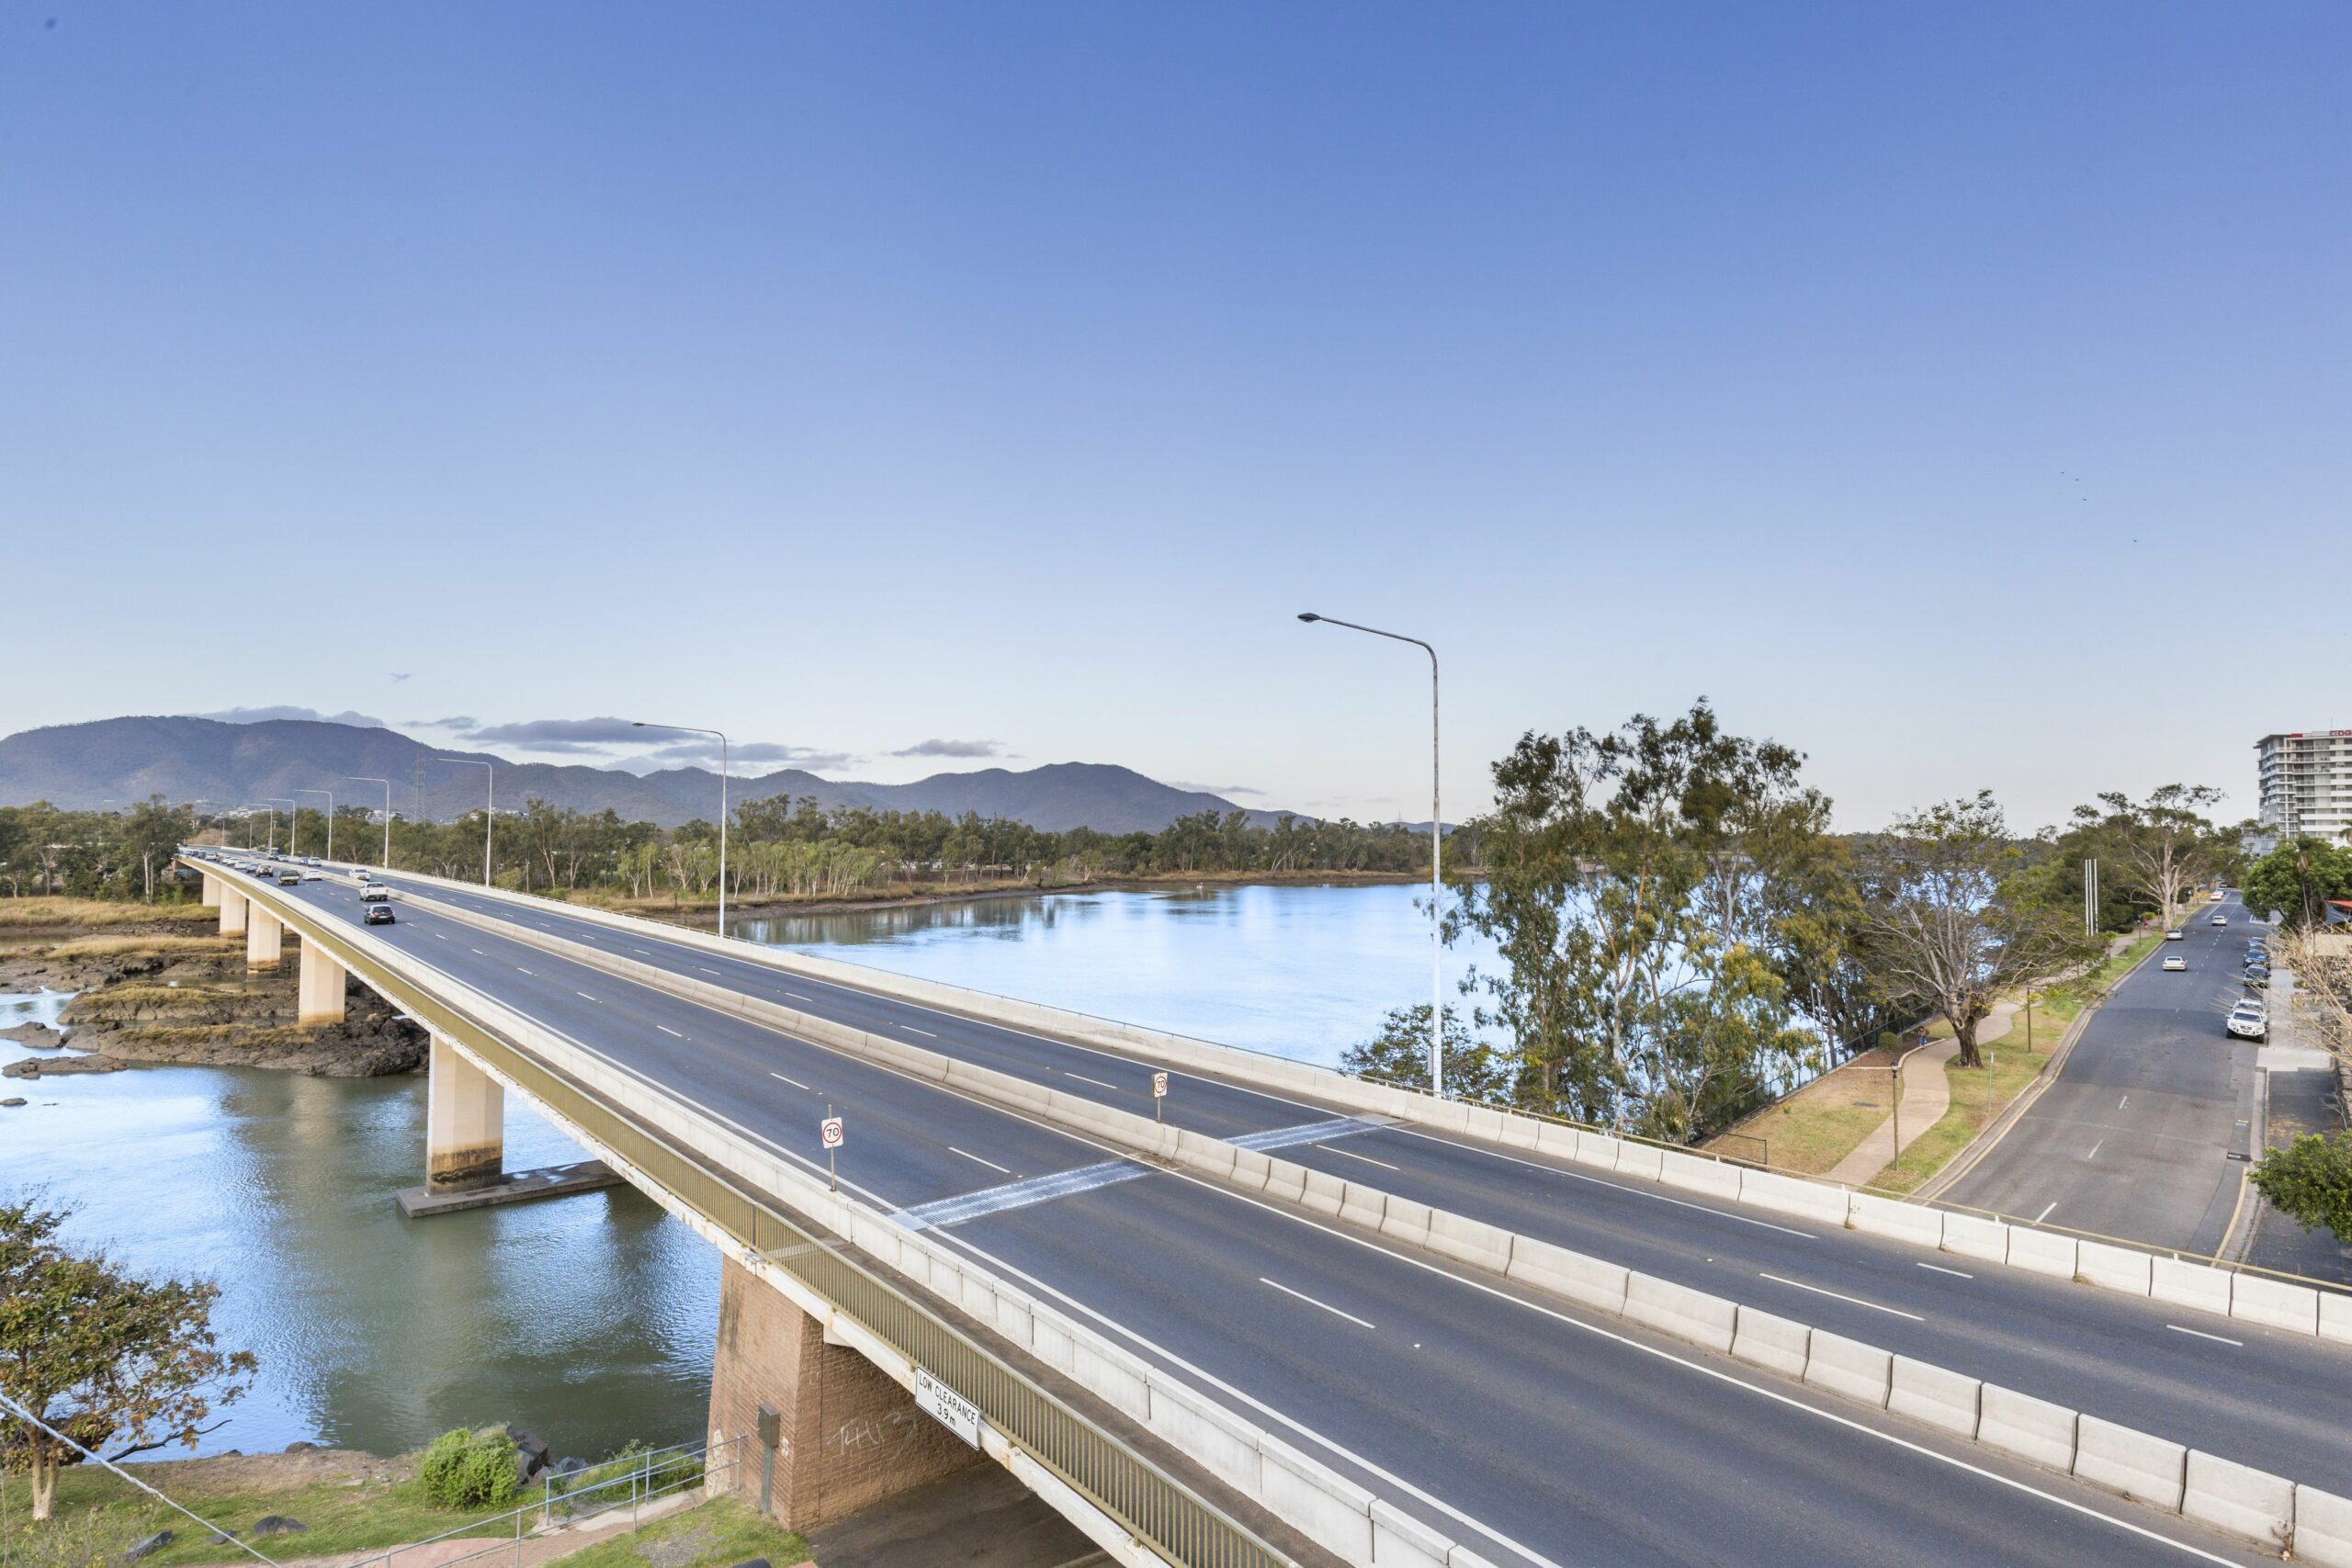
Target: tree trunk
point(44, 1482)
point(1966, 1034)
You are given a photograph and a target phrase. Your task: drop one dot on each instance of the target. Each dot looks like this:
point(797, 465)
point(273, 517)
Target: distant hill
point(84, 766)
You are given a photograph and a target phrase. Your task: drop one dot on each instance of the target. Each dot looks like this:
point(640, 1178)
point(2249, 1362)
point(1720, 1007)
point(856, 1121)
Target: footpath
point(1926, 1095)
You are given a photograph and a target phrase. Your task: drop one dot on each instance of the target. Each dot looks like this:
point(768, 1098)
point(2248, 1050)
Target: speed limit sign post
point(829, 1130)
point(1159, 1095)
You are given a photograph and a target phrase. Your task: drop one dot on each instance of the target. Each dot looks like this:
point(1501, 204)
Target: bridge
point(1280, 1315)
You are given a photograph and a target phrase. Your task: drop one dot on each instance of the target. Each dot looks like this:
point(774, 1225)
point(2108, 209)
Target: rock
point(277, 1524)
point(13, 1100)
point(300, 1447)
point(147, 1548)
point(35, 1066)
point(38, 1036)
point(530, 1453)
point(571, 1464)
point(222, 1538)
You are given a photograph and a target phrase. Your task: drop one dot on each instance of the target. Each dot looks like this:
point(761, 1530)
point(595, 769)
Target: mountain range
point(114, 761)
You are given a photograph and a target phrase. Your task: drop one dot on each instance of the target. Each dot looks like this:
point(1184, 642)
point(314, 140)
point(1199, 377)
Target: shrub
point(2310, 1181)
point(468, 1470)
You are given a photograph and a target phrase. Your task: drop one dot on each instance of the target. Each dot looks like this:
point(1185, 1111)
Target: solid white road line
point(794, 1082)
point(1310, 1301)
point(667, 1030)
point(1366, 1158)
point(2044, 1214)
point(2202, 1335)
point(1940, 1268)
point(1601, 1181)
point(1081, 1078)
point(978, 1160)
point(1834, 1296)
point(926, 1034)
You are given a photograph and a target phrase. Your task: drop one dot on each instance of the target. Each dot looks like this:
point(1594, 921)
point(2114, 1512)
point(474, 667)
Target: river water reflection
point(591, 1318)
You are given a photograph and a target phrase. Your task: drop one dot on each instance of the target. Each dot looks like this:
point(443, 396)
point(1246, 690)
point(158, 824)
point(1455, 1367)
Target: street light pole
point(330, 795)
point(692, 729)
point(1437, 923)
point(489, 811)
point(293, 823)
point(363, 778)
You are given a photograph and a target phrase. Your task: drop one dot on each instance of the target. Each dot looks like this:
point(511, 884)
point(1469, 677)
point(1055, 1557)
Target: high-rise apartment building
point(2306, 784)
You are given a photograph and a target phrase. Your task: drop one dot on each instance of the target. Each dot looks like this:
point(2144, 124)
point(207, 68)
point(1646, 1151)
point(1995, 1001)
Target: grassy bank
point(708, 1535)
point(674, 906)
point(95, 914)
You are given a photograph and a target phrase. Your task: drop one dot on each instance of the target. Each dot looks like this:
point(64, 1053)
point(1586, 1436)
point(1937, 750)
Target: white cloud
point(285, 711)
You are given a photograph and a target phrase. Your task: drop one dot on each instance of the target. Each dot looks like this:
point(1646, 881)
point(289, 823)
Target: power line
point(25, 1416)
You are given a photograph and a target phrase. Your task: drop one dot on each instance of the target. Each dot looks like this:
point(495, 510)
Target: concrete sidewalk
point(1926, 1095)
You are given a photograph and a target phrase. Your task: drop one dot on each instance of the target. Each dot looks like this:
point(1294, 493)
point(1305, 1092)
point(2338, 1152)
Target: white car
point(2176, 936)
point(2249, 1021)
point(2220, 920)
point(2174, 961)
point(2219, 895)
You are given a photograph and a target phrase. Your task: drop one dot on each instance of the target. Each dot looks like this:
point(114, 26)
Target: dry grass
point(1825, 1121)
point(143, 946)
point(44, 913)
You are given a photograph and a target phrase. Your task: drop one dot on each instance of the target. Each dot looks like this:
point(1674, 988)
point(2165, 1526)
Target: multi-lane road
point(1536, 1432)
point(2144, 1132)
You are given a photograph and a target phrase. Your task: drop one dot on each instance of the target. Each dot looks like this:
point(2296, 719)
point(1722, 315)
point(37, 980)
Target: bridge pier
point(319, 994)
point(465, 1123)
point(846, 1434)
point(233, 911)
point(212, 891)
point(264, 939)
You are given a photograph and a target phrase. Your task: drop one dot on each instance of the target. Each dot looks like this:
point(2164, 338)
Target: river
point(589, 1319)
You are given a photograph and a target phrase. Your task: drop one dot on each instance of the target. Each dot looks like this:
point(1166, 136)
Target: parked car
point(2249, 1020)
point(2174, 961)
point(378, 915)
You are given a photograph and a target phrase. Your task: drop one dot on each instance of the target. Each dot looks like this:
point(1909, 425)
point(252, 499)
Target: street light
point(293, 822)
point(330, 795)
point(691, 729)
point(1437, 923)
point(363, 778)
point(489, 811)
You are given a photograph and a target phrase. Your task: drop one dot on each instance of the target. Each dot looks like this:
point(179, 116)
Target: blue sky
point(1963, 395)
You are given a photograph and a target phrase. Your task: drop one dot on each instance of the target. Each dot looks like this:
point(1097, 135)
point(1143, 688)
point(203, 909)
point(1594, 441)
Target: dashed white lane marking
point(2095, 1149)
point(667, 1030)
point(794, 1082)
point(2124, 1101)
point(797, 996)
point(583, 995)
point(926, 1034)
point(477, 951)
point(1310, 1301)
point(640, 952)
point(707, 971)
point(978, 1160)
point(520, 970)
point(2044, 1214)
point(1081, 1078)
point(438, 937)
point(2202, 1335)
point(1940, 1268)
point(1834, 1296)
point(1367, 1159)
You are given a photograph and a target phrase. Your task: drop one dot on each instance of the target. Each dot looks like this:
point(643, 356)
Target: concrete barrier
point(1812, 1200)
point(2111, 1267)
point(1929, 1393)
point(2239, 1499)
point(2190, 1285)
point(1639, 1160)
point(2041, 1252)
point(1849, 1367)
point(1974, 1235)
point(2275, 1303)
point(1571, 1274)
point(2323, 1528)
point(2029, 1428)
point(1914, 1223)
point(1334, 1512)
point(1678, 1309)
point(1777, 1344)
point(1251, 1169)
point(1361, 1205)
point(2336, 1317)
point(1320, 1191)
point(1474, 1242)
point(1694, 1173)
point(1406, 1222)
point(1400, 1540)
point(2132, 1463)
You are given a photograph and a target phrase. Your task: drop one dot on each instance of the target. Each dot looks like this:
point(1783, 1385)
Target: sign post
point(1159, 1095)
point(830, 1130)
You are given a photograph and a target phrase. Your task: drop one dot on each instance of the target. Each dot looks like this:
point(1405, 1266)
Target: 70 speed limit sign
point(831, 1129)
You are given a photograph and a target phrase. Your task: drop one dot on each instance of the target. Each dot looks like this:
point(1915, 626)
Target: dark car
point(380, 915)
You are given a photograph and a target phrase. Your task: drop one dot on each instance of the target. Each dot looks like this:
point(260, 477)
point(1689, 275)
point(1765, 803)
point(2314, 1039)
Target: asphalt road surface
point(2136, 1135)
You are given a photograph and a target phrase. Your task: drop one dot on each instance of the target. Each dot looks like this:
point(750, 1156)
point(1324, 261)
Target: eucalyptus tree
point(1620, 888)
point(1948, 918)
point(2162, 845)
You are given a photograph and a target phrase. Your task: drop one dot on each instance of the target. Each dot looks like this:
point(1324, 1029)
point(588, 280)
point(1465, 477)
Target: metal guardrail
point(1160, 1510)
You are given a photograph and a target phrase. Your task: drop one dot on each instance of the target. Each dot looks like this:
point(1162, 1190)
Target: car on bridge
point(289, 878)
point(2220, 920)
point(376, 894)
point(378, 915)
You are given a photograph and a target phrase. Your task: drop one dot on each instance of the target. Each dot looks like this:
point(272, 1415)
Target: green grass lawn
point(709, 1535)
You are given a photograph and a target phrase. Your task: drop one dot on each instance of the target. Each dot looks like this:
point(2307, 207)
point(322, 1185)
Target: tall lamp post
point(330, 795)
point(363, 778)
point(293, 822)
point(489, 811)
point(1437, 923)
point(692, 729)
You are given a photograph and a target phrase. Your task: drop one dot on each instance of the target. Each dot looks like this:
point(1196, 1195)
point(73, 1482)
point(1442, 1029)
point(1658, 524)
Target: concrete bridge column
point(264, 940)
point(233, 911)
point(465, 1123)
point(212, 891)
point(318, 997)
point(845, 1433)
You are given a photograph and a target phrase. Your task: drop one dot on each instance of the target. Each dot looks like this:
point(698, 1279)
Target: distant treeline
point(775, 848)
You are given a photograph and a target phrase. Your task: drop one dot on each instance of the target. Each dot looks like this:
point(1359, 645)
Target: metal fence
point(1155, 1507)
